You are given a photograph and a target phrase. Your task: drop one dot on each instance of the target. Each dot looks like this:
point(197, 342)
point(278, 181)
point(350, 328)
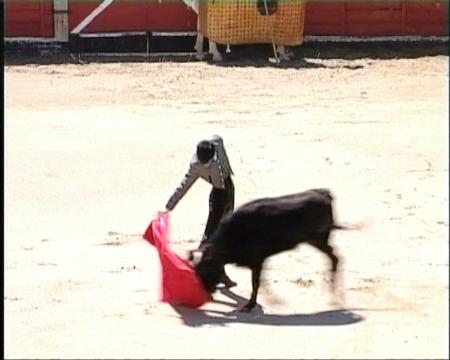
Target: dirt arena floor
point(93, 149)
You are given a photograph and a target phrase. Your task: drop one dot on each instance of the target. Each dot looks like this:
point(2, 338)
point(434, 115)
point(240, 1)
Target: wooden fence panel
point(29, 18)
point(35, 18)
point(127, 15)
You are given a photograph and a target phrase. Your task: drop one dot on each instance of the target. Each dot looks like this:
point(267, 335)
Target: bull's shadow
point(197, 317)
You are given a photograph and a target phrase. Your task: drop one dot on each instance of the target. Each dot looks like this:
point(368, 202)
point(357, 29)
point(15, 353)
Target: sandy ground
point(94, 150)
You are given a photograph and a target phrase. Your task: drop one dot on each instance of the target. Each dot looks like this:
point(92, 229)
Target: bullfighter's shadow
point(197, 317)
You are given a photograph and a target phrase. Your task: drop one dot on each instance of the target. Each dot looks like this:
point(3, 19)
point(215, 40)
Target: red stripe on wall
point(79, 10)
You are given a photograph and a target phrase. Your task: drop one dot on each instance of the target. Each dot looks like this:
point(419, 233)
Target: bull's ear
point(195, 256)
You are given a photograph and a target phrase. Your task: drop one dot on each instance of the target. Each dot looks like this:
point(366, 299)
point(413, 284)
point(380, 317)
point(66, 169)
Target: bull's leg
point(256, 275)
point(327, 249)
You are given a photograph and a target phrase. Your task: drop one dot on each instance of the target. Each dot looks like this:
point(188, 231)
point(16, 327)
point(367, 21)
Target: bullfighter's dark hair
point(205, 151)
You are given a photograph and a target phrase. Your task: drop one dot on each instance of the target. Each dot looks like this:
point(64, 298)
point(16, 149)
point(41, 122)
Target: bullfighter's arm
point(188, 180)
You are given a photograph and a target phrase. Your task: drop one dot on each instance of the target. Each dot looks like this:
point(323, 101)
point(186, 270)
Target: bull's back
point(268, 226)
point(289, 201)
point(298, 209)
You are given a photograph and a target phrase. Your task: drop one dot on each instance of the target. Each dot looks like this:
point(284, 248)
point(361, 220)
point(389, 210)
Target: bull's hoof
point(247, 308)
point(228, 283)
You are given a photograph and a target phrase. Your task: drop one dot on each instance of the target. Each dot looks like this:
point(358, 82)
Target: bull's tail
point(355, 226)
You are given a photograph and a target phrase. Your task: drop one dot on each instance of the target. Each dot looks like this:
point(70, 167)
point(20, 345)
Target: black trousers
point(221, 201)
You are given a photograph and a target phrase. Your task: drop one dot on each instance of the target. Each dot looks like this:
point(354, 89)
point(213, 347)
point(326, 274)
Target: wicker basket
point(246, 21)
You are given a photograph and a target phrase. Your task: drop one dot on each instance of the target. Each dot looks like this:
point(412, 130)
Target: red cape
point(180, 284)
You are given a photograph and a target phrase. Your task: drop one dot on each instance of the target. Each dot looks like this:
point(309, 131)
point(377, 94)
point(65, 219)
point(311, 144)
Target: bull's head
point(208, 270)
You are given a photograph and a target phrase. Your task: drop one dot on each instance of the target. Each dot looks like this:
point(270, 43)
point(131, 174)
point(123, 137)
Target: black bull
point(264, 227)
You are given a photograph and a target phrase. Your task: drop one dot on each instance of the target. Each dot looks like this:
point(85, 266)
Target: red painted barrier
point(125, 16)
point(29, 18)
point(345, 18)
point(396, 18)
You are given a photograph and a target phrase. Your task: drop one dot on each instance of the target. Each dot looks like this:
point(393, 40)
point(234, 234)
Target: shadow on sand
point(306, 56)
point(197, 317)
